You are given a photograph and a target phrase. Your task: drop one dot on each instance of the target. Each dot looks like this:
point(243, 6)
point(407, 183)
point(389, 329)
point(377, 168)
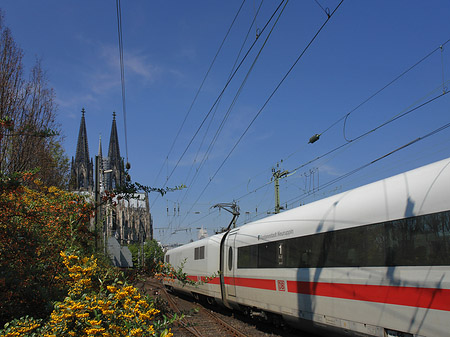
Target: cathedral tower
point(82, 168)
point(115, 162)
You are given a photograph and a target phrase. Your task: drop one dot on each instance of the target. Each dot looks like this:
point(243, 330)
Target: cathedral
point(130, 220)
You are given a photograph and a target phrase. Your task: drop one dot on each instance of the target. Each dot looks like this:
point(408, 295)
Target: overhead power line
point(295, 200)
point(331, 182)
point(352, 141)
point(220, 95)
point(122, 72)
point(379, 126)
point(221, 126)
point(235, 98)
point(269, 98)
point(199, 89)
point(362, 135)
point(211, 145)
point(345, 117)
point(376, 93)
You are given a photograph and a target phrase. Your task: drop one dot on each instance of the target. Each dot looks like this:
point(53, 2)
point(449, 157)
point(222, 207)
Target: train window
point(167, 258)
point(415, 241)
point(199, 253)
point(267, 255)
point(230, 258)
point(248, 257)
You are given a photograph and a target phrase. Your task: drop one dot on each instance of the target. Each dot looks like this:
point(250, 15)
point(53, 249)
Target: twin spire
point(82, 177)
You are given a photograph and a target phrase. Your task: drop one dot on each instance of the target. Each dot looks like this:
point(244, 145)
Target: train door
point(230, 263)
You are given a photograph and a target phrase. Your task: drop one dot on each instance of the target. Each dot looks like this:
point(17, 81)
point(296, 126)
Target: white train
point(372, 261)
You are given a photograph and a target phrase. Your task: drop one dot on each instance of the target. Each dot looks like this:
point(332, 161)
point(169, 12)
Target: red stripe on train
point(240, 282)
point(251, 283)
point(431, 298)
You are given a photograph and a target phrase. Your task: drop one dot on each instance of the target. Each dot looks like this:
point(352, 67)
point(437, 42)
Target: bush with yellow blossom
point(93, 308)
point(36, 223)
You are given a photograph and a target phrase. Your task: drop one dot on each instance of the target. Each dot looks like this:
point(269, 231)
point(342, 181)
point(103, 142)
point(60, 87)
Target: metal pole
point(97, 202)
point(277, 174)
point(277, 192)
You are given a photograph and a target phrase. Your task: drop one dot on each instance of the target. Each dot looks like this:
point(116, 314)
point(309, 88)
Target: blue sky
point(168, 48)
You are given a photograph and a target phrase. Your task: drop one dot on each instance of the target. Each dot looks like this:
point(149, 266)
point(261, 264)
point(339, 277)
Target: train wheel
point(196, 297)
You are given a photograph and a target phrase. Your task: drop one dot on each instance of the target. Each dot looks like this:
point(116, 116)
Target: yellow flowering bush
point(25, 326)
point(95, 309)
point(36, 223)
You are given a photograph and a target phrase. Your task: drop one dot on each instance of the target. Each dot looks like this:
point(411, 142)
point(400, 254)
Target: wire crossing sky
point(374, 79)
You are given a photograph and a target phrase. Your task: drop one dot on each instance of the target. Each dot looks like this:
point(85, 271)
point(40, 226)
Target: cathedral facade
point(128, 221)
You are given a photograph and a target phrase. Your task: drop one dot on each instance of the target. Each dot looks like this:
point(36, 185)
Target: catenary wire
point(345, 117)
point(333, 181)
point(351, 141)
point(376, 93)
point(229, 80)
point(235, 98)
point(122, 72)
point(200, 88)
point(227, 83)
point(380, 158)
point(269, 98)
point(346, 144)
point(325, 10)
point(218, 98)
point(220, 128)
point(222, 92)
point(372, 130)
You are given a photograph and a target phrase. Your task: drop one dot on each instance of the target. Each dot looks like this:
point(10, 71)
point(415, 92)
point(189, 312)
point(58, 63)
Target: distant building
point(130, 220)
point(82, 168)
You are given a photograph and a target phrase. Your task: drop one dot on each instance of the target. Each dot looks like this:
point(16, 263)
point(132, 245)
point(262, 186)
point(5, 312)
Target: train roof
point(214, 239)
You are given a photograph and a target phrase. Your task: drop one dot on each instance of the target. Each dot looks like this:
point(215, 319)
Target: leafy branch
point(129, 188)
point(8, 124)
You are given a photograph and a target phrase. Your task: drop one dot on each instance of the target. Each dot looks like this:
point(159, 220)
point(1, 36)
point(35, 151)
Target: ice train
point(371, 261)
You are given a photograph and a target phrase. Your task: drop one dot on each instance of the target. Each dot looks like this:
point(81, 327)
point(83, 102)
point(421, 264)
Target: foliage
point(24, 326)
point(167, 272)
point(36, 223)
point(29, 134)
point(128, 189)
point(153, 254)
point(95, 308)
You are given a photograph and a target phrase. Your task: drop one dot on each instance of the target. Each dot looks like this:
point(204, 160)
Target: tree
point(153, 254)
point(32, 138)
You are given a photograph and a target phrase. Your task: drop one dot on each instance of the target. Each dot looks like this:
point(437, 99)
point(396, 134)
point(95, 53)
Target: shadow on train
point(333, 260)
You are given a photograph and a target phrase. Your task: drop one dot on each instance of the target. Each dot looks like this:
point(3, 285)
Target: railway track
point(199, 320)
point(210, 323)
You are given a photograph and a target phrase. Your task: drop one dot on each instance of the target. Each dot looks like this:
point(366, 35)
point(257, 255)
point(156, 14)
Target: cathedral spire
point(82, 153)
point(82, 167)
point(117, 176)
point(100, 154)
point(114, 151)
